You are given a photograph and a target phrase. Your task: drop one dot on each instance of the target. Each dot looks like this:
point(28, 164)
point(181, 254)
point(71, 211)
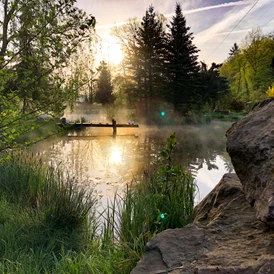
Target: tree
point(104, 93)
point(38, 37)
point(249, 72)
point(258, 55)
point(213, 86)
point(182, 62)
point(127, 80)
point(82, 66)
point(234, 70)
point(234, 50)
point(149, 52)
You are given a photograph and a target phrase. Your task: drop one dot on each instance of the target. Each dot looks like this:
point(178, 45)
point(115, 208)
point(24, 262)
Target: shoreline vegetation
point(48, 225)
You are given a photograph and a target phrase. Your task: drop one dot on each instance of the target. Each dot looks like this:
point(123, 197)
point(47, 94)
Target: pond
point(107, 164)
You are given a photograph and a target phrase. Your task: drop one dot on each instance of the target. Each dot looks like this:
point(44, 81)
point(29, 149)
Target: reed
point(162, 199)
point(48, 224)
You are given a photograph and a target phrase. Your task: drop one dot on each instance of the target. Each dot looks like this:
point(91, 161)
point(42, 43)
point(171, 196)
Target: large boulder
point(250, 144)
point(225, 238)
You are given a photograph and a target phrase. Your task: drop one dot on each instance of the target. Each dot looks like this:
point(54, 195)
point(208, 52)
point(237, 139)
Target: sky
point(216, 24)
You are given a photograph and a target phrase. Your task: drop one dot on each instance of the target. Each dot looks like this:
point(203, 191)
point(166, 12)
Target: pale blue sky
point(211, 21)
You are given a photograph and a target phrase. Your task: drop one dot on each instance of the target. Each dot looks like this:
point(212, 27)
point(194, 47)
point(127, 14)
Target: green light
point(163, 113)
point(163, 215)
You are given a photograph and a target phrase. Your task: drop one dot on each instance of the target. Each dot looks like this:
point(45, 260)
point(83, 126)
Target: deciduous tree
point(37, 39)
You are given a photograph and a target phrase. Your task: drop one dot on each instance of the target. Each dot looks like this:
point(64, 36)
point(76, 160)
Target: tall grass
point(162, 199)
point(49, 225)
point(55, 198)
point(43, 216)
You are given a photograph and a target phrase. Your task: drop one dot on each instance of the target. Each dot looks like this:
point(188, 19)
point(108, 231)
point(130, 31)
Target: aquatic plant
point(162, 199)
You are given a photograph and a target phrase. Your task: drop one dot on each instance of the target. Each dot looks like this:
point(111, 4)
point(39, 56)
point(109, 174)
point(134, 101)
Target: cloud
point(224, 5)
point(218, 38)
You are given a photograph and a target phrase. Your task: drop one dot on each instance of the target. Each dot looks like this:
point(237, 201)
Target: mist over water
point(107, 164)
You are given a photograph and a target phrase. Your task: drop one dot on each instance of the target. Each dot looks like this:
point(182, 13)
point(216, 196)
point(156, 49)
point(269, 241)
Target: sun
point(110, 51)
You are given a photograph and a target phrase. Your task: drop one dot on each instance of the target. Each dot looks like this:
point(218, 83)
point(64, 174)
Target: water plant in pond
point(162, 199)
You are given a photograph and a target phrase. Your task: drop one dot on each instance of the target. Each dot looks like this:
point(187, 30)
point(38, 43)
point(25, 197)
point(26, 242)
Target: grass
point(162, 199)
point(43, 216)
point(232, 117)
point(49, 225)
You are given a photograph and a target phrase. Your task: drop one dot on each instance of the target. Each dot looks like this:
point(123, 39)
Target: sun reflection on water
point(115, 156)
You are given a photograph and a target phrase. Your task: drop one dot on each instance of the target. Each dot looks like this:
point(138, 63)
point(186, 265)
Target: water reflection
point(115, 156)
point(108, 163)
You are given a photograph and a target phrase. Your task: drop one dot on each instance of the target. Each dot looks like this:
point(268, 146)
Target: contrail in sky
point(224, 5)
point(231, 4)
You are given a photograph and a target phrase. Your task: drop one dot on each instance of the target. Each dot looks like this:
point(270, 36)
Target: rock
point(232, 230)
point(225, 238)
point(250, 144)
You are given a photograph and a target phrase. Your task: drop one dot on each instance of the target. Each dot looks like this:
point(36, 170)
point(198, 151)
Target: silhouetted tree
point(182, 62)
point(213, 86)
point(234, 50)
point(148, 63)
point(104, 94)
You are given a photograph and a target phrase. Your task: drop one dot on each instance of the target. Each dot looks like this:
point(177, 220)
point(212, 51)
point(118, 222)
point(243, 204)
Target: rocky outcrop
point(225, 238)
point(233, 227)
point(250, 144)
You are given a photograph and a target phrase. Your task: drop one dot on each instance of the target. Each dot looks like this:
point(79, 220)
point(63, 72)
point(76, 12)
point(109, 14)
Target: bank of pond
point(50, 225)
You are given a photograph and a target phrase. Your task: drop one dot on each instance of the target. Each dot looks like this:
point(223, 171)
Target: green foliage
point(150, 53)
point(162, 63)
point(249, 72)
point(47, 223)
point(104, 93)
point(182, 65)
point(164, 198)
point(38, 38)
point(213, 85)
point(234, 50)
point(54, 197)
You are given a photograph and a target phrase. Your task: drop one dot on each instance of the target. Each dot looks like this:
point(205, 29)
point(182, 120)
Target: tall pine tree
point(104, 94)
point(149, 58)
point(182, 66)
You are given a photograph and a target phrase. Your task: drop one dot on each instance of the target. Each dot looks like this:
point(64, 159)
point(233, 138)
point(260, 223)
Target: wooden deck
point(95, 125)
point(114, 125)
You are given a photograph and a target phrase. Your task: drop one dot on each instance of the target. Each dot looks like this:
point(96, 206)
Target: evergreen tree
point(148, 62)
point(182, 62)
point(104, 94)
point(234, 50)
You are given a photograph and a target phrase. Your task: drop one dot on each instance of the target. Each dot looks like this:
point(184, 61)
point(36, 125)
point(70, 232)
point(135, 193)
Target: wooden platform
point(95, 125)
point(114, 125)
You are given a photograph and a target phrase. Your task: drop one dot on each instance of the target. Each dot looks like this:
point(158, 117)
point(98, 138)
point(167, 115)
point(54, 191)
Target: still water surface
point(107, 164)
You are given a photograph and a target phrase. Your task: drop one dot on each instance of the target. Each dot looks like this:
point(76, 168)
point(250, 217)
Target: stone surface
point(250, 144)
point(225, 238)
point(232, 231)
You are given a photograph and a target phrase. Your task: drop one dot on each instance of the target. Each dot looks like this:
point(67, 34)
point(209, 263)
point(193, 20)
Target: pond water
point(107, 164)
